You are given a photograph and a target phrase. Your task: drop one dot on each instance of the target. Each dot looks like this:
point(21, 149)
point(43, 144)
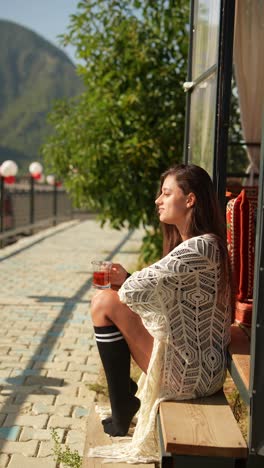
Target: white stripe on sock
point(108, 334)
point(110, 340)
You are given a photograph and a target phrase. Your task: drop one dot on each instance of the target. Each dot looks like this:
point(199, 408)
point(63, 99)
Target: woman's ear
point(191, 200)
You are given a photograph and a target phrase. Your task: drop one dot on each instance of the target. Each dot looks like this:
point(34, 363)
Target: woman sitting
point(173, 317)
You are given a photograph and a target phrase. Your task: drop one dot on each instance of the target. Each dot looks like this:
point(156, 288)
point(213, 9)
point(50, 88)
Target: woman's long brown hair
point(206, 217)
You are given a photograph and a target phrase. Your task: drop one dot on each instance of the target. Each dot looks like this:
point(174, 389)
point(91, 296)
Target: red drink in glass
point(101, 274)
point(101, 278)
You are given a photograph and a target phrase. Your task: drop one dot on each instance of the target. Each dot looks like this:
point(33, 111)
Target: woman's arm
point(146, 290)
point(139, 291)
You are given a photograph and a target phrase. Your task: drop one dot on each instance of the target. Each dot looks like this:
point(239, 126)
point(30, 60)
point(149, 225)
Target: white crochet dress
point(183, 308)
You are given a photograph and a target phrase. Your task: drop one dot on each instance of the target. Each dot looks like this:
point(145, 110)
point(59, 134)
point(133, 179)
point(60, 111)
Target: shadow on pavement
point(40, 384)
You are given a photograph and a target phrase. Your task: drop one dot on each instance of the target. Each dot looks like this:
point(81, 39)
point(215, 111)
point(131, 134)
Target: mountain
point(33, 74)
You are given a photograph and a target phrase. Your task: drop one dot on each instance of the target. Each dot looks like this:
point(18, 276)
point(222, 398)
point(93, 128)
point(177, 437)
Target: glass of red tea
point(101, 274)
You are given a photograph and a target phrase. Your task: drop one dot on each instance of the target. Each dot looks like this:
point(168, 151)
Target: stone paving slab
point(48, 355)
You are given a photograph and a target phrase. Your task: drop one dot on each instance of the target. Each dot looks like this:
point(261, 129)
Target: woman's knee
point(103, 303)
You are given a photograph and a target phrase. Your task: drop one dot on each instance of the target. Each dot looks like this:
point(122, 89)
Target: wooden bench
point(200, 433)
point(204, 433)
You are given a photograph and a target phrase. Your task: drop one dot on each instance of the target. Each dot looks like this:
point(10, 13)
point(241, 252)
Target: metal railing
point(28, 206)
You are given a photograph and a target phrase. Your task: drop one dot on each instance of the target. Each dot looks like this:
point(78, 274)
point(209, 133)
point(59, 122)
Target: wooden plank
point(203, 427)
point(95, 436)
point(239, 350)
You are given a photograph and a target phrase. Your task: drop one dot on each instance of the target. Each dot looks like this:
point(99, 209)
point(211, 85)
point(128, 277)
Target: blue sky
point(49, 18)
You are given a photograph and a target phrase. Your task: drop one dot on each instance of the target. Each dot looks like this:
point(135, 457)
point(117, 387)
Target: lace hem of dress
point(126, 449)
point(123, 453)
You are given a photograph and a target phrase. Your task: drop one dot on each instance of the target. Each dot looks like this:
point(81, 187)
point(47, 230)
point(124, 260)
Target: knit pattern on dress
point(184, 307)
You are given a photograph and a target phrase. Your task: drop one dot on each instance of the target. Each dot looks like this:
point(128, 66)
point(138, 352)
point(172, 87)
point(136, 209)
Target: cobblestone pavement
point(48, 354)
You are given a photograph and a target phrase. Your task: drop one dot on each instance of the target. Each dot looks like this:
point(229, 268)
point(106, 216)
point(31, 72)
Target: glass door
point(208, 87)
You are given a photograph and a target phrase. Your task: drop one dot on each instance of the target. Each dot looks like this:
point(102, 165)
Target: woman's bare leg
point(107, 310)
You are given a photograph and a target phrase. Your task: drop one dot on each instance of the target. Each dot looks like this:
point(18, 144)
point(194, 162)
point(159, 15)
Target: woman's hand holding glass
point(118, 275)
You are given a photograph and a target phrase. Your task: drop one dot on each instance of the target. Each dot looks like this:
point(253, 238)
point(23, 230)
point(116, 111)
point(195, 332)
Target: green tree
point(237, 160)
point(111, 145)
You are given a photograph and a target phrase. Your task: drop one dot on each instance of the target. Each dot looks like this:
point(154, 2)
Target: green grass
point(68, 458)
point(238, 406)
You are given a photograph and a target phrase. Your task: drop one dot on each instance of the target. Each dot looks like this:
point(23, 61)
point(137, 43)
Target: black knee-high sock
point(115, 357)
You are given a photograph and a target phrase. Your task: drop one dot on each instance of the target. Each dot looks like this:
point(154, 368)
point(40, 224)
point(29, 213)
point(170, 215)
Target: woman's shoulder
point(206, 245)
point(203, 238)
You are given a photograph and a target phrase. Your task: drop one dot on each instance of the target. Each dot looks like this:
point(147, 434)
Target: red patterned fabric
point(240, 216)
point(251, 192)
point(233, 237)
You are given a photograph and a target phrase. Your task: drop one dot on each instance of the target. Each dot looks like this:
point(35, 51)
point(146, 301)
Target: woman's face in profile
point(172, 204)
